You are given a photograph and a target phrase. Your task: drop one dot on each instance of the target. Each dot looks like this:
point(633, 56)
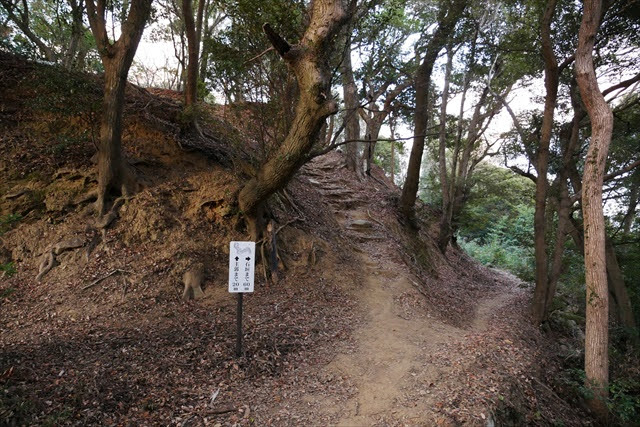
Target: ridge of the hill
point(368, 325)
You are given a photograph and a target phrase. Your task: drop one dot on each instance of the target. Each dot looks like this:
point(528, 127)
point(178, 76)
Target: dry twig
point(111, 273)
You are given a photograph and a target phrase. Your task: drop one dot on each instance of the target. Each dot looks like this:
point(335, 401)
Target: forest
point(443, 195)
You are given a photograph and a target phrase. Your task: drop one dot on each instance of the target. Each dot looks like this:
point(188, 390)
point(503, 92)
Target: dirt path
point(391, 346)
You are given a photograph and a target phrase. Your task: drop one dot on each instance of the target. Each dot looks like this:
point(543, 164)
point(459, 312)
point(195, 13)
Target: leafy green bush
point(624, 400)
point(506, 243)
point(495, 253)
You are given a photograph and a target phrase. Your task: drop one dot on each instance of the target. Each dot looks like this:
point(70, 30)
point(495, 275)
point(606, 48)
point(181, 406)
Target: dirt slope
point(370, 325)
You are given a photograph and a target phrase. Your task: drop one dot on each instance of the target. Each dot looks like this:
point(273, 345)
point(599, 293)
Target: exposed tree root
point(284, 195)
point(105, 220)
point(49, 257)
point(90, 196)
point(375, 220)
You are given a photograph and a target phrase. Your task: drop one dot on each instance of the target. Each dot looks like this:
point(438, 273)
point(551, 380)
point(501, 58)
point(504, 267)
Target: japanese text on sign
point(241, 266)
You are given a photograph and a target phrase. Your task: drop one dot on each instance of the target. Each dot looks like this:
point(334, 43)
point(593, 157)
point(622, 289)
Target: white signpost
point(241, 266)
point(242, 257)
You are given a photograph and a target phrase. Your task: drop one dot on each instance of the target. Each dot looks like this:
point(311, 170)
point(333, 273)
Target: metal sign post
point(241, 279)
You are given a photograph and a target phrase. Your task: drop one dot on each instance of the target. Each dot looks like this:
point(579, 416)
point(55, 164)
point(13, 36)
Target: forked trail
point(392, 345)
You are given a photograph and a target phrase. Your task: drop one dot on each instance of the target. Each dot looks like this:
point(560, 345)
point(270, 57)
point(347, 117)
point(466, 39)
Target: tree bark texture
point(193, 28)
point(113, 174)
point(597, 333)
point(352, 123)
point(449, 14)
point(551, 81)
point(617, 290)
point(307, 60)
point(445, 219)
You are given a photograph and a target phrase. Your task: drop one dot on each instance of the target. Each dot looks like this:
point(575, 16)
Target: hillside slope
point(368, 324)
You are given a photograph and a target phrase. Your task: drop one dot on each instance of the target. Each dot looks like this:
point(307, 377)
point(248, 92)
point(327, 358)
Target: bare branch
point(260, 55)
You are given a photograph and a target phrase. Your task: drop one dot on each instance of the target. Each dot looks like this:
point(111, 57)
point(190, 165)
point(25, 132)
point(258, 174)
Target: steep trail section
point(394, 340)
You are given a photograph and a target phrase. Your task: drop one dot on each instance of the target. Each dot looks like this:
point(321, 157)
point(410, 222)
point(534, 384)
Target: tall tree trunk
point(551, 80)
point(77, 31)
point(352, 124)
point(448, 15)
point(392, 129)
point(373, 133)
point(616, 286)
point(113, 174)
point(193, 29)
point(597, 332)
point(308, 61)
point(445, 218)
point(570, 137)
point(630, 216)
point(562, 231)
point(619, 291)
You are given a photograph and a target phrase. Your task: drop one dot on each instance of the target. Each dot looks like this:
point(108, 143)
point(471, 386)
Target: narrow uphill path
point(388, 365)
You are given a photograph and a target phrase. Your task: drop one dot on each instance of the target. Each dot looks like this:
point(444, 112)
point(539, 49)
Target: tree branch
point(330, 147)
point(260, 55)
point(609, 177)
point(622, 85)
point(280, 44)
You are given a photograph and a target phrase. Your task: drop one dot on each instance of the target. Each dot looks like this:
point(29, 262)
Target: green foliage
point(498, 196)
point(496, 225)
point(241, 37)
point(499, 252)
point(6, 293)
point(382, 155)
point(7, 222)
point(78, 95)
point(51, 21)
point(624, 395)
point(9, 270)
point(624, 400)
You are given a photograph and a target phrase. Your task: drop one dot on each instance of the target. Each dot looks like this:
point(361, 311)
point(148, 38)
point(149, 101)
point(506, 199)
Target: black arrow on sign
point(237, 258)
point(248, 258)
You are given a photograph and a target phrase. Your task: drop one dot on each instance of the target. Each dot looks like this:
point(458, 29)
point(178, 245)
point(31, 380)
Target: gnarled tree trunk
point(308, 61)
